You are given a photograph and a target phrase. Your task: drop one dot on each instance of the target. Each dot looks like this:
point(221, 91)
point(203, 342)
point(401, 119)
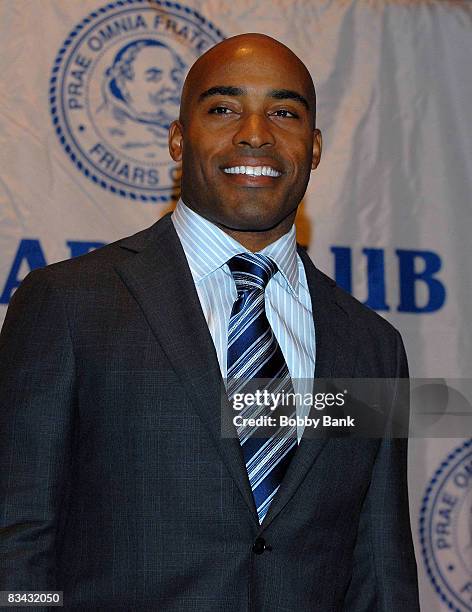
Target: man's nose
point(254, 131)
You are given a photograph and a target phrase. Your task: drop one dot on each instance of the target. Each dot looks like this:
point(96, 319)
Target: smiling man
point(116, 483)
point(247, 138)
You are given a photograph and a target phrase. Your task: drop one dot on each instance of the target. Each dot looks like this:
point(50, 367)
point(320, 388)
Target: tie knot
point(251, 271)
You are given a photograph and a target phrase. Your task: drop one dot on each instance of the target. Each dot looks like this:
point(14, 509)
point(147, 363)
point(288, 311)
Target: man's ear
point(176, 138)
point(317, 146)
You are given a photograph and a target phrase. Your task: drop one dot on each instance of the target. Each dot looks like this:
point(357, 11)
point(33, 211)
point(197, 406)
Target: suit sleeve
point(36, 412)
point(385, 576)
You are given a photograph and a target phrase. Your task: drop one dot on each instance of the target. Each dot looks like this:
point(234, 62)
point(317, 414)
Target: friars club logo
point(446, 529)
point(115, 89)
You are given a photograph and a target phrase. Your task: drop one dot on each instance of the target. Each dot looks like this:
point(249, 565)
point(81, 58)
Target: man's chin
point(241, 218)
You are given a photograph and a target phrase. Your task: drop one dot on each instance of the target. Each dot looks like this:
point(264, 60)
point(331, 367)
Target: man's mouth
point(253, 171)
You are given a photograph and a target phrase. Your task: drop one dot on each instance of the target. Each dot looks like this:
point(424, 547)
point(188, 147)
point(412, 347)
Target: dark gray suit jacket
point(116, 485)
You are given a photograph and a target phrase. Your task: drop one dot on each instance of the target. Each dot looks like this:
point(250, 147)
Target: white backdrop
point(83, 162)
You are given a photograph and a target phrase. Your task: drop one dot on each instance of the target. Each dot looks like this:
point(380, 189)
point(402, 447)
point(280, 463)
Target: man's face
point(157, 81)
point(247, 142)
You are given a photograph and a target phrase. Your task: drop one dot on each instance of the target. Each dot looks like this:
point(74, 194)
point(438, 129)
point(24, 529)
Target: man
point(118, 487)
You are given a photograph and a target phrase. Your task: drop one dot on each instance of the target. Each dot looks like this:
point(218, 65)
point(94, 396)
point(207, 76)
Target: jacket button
point(259, 546)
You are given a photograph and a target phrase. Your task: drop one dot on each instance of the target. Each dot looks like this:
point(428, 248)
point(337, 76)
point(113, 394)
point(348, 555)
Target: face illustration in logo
point(143, 86)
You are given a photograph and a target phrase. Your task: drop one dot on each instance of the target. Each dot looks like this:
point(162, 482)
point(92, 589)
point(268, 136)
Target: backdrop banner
point(90, 88)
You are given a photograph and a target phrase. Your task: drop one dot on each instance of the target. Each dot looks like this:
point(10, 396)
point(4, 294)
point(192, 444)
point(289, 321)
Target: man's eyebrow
point(278, 94)
point(288, 94)
point(222, 90)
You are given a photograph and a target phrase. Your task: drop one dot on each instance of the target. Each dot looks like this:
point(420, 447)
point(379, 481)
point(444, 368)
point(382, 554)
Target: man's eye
point(153, 75)
point(283, 112)
point(220, 110)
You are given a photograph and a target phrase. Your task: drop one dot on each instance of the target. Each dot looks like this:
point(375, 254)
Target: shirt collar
point(194, 231)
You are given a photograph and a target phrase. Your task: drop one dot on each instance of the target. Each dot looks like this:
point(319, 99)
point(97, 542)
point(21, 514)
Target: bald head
point(216, 64)
point(246, 137)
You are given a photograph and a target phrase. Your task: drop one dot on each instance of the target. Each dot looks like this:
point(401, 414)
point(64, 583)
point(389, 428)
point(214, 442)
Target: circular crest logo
point(446, 529)
point(115, 89)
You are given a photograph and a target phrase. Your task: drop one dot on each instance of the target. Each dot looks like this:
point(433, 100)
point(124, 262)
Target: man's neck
point(256, 241)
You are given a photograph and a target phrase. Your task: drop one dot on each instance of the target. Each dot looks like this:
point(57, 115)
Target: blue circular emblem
point(115, 89)
point(446, 529)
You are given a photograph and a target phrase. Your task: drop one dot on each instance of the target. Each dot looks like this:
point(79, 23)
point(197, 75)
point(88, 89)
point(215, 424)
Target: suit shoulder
point(92, 267)
point(75, 271)
point(362, 314)
point(363, 317)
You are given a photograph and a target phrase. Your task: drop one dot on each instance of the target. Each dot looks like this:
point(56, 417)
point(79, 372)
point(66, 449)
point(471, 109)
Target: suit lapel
point(159, 278)
point(334, 358)
point(335, 346)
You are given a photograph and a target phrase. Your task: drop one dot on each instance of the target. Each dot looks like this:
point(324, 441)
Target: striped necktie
point(256, 362)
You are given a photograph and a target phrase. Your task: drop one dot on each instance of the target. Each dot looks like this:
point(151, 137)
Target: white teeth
point(253, 170)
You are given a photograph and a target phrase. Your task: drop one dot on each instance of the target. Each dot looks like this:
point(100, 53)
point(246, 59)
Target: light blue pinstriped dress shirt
point(287, 298)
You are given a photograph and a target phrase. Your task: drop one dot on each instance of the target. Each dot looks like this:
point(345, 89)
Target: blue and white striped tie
point(256, 362)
